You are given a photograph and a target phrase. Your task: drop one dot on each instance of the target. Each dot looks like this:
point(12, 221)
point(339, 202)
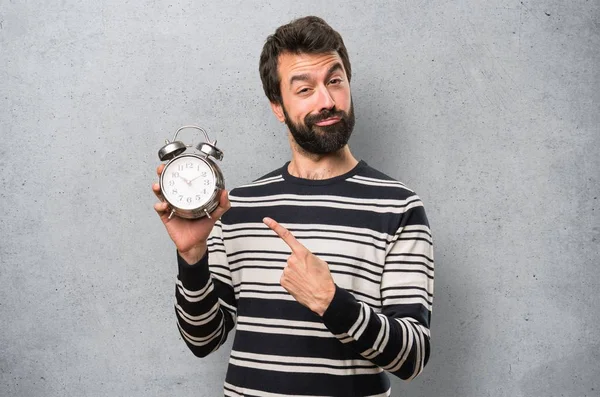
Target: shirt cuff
point(193, 276)
point(342, 312)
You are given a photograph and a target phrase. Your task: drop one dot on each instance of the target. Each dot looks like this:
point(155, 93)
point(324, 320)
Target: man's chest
point(257, 257)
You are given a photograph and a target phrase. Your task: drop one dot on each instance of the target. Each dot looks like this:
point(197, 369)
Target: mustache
point(324, 115)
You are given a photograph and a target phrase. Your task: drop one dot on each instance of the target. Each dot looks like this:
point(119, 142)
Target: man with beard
point(325, 266)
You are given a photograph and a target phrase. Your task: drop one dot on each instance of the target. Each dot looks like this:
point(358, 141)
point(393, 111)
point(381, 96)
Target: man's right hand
point(189, 235)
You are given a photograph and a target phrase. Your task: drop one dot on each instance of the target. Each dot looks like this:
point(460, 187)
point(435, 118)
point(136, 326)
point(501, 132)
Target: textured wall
point(489, 110)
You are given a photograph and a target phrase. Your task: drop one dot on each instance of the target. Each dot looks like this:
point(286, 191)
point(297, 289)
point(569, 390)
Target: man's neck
point(311, 166)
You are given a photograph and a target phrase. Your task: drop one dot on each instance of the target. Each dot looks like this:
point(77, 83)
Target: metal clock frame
point(175, 150)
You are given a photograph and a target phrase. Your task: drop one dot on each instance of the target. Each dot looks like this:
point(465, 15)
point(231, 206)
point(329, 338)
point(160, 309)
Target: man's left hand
point(306, 277)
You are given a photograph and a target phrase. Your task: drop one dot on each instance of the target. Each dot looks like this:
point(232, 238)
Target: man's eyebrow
point(305, 77)
point(335, 68)
point(299, 77)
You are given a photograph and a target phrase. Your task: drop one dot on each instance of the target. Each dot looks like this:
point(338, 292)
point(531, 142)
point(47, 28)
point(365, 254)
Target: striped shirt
point(372, 232)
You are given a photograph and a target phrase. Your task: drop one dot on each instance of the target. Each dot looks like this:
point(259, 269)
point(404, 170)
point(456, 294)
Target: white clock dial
point(188, 182)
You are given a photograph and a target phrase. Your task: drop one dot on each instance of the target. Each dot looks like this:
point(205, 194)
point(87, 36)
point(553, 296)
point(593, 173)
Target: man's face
point(317, 104)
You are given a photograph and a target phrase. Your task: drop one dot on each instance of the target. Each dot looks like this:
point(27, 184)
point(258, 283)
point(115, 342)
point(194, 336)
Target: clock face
point(188, 182)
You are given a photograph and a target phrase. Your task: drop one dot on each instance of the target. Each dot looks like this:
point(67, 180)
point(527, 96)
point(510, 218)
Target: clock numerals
point(188, 184)
point(182, 167)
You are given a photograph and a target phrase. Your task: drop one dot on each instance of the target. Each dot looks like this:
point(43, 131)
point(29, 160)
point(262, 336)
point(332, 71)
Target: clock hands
point(186, 181)
point(189, 182)
point(193, 179)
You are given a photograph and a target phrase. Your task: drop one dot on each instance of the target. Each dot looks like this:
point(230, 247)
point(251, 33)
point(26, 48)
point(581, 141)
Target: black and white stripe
point(373, 233)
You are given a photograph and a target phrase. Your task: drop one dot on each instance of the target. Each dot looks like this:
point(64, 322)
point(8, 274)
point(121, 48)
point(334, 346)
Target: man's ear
point(278, 111)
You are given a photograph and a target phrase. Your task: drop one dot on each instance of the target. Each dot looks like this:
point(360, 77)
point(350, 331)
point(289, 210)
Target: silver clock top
point(175, 148)
point(210, 150)
point(171, 150)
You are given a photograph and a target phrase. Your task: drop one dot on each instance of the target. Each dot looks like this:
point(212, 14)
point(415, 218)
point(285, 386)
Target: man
point(325, 265)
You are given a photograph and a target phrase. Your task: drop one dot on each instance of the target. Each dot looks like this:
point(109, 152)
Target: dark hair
point(308, 35)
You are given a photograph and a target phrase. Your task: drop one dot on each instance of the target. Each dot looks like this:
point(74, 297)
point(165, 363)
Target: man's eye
point(303, 91)
point(337, 80)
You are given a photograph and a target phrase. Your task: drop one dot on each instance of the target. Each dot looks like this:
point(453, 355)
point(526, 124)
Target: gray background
point(489, 110)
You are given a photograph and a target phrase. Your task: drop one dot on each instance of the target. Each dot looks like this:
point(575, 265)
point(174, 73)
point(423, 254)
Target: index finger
point(285, 235)
point(159, 169)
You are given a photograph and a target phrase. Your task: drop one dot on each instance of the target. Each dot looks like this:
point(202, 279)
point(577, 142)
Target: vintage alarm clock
point(191, 183)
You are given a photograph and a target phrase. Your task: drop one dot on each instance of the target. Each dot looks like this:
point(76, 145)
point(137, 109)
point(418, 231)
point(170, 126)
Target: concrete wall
point(489, 110)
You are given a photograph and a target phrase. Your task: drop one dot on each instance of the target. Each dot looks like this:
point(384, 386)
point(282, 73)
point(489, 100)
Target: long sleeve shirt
point(373, 233)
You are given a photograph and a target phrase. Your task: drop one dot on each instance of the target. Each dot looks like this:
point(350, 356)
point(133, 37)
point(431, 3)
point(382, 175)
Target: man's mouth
point(328, 121)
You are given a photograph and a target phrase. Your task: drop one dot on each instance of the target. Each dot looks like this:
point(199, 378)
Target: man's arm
point(397, 339)
point(205, 301)
point(205, 305)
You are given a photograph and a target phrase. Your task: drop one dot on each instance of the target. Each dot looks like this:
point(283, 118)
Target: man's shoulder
point(259, 184)
point(371, 178)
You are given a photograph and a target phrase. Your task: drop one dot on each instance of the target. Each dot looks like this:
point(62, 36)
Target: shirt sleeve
point(205, 301)
point(397, 338)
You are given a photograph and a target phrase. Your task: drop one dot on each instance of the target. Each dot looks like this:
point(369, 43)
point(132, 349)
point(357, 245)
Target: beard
point(322, 139)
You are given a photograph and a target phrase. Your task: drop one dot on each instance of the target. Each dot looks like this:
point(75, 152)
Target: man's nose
point(325, 99)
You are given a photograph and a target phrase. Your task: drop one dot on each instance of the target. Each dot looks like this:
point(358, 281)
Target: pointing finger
point(285, 235)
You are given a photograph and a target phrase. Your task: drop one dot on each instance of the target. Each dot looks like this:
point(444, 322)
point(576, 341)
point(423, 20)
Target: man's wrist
point(194, 254)
point(323, 303)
